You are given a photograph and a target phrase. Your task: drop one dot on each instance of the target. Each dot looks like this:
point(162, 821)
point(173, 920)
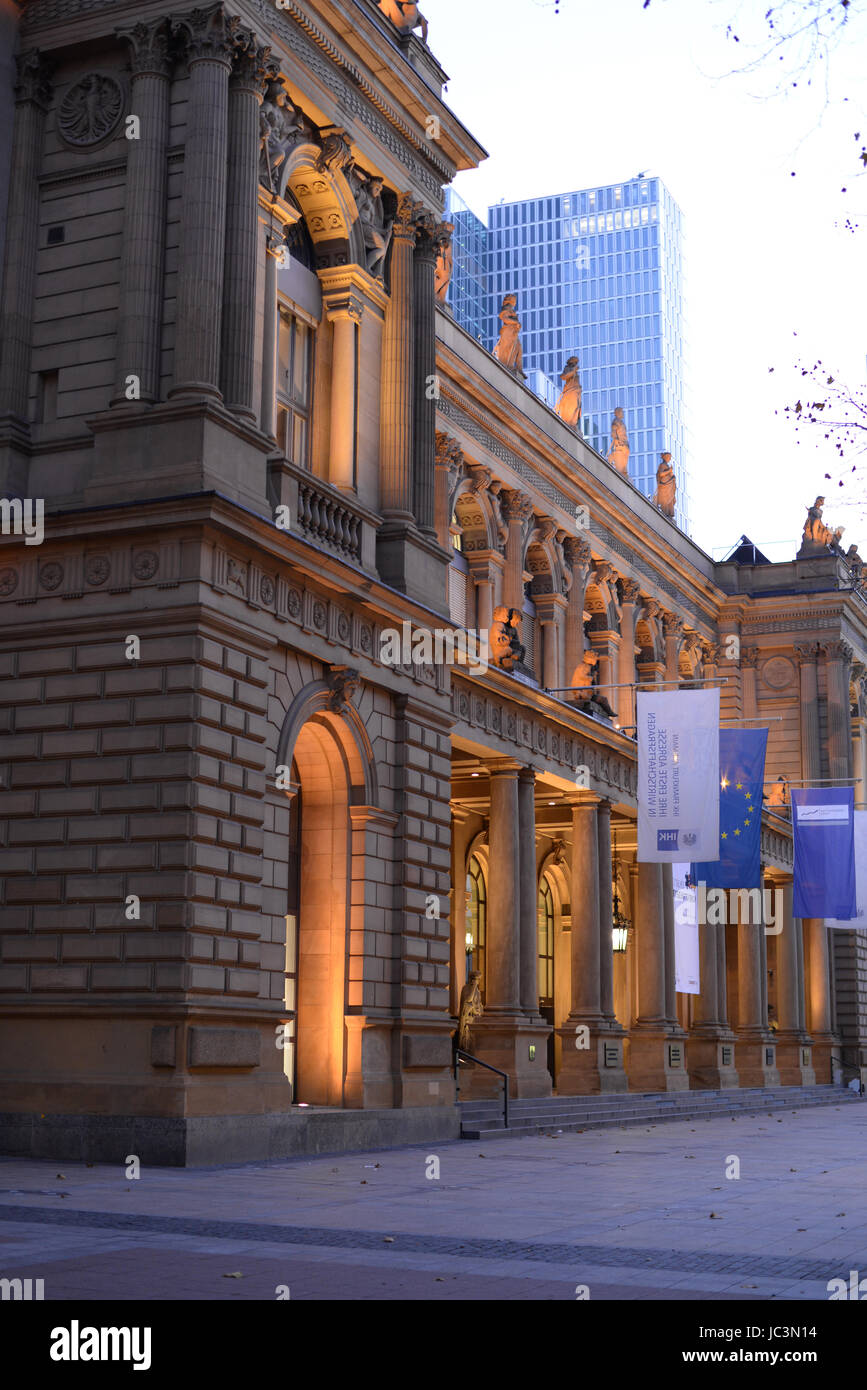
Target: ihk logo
point(666, 839)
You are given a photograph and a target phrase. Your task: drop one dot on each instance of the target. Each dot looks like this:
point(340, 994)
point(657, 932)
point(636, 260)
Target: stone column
point(209, 35)
point(626, 654)
point(607, 647)
point(754, 1038)
point(838, 659)
point(398, 377)
point(483, 566)
point(817, 989)
point(792, 1042)
point(246, 88)
point(517, 509)
point(811, 762)
point(33, 95)
point(656, 1052)
point(268, 406)
point(606, 921)
point(668, 925)
point(749, 662)
point(424, 414)
point(505, 1036)
point(591, 1059)
point(449, 459)
point(551, 610)
point(577, 556)
point(344, 311)
point(140, 307)
point(672, 626)
point(529, 892)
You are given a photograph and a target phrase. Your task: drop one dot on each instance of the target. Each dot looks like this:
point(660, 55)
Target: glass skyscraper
point(599, 274)
point(468, 288)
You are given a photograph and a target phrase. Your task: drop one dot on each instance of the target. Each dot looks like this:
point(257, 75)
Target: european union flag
point(742, 776)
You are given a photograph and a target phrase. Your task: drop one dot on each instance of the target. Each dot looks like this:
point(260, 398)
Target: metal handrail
point(477, 1061)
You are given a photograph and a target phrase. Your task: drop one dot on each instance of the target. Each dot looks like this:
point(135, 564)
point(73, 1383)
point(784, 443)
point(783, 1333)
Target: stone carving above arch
point(91, 110)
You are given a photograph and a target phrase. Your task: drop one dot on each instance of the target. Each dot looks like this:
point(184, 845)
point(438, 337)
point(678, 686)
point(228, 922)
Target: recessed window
point(46, 397)
point(293, 388)
point(56, 235)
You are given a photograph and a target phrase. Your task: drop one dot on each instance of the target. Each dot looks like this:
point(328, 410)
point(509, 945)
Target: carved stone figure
point(469, 1009)
point(569, 404)
point(376, 228)
point(508, 348)
point(443, 271)
point(343, 681)
point(505, 645)
point(666, 487)
point(90, 110)
point(618, 454)
point(405, 15)
point(281, 125)
point(818, 538)
point(336, 152)
point(583, 683)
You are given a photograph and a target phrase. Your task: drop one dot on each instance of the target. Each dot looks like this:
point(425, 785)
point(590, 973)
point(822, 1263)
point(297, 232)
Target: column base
point(795, 1059)
point(824, 1046)
point(711, 1060)
point(756, 1055)
point(656, 1060)
point(516, 1045)
point(595, 1069)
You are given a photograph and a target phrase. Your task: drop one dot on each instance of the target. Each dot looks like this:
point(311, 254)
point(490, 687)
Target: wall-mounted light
point(470, 945)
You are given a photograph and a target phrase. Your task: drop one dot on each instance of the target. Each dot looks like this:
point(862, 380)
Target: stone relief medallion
point(343, 627)
point(365, 639)
point(145, 564)
point(555, 746)
point(540, 738)
point(293, 602)
point(96, 569)
point(778, 672)
point(512, 727)
point(266, 589)
point(51, 575)
point(91, 110)
point(464, 705)
point(497, 721)
point(320, 615)
point(479, 712)
point(8, 581)
point(237, 575)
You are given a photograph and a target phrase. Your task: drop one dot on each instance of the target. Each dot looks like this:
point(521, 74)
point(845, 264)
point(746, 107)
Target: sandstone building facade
point(247, 855)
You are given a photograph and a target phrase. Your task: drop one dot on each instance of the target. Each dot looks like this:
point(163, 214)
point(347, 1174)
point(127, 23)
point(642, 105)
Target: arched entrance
point(329, 776)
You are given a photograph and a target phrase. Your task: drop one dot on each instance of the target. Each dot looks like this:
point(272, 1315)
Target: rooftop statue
point(779, 792)
point(405, 15)
point(817, 537)
point(618, 454)
point(569, 404)
point(666, 487)
point(508, 346)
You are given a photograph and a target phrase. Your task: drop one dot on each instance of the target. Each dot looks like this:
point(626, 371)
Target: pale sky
point(604, 89)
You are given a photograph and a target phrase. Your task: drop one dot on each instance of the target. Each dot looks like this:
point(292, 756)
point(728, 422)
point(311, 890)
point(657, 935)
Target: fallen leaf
point(715, 1216)
point(236, 1275)
point(389, 1240)
point(60, 1175)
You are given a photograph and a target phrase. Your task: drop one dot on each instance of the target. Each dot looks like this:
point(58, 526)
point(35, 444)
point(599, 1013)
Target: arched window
point(477, 909)
point(545, 966)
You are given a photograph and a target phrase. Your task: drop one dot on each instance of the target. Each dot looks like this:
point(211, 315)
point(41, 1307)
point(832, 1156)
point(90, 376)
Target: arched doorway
point(477, 910)
point(331, 781)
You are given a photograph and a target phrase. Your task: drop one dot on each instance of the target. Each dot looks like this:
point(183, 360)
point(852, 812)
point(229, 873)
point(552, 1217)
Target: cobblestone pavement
point(642, 1213)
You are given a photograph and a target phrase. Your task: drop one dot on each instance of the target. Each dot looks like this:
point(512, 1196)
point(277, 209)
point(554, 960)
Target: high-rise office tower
point(468, 287)
point(598, 273)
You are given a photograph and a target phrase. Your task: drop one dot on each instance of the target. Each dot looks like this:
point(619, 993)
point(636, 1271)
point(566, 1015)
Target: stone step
point(570, 1114)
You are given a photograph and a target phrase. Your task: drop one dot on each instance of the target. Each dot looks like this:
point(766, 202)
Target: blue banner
point(742, 775)
point(823, 825)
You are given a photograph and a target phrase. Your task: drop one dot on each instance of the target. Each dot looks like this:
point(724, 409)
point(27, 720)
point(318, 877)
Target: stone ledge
point(178, 1142)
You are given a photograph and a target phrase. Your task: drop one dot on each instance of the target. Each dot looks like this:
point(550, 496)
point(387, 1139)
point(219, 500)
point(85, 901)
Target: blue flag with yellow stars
point(742, 776)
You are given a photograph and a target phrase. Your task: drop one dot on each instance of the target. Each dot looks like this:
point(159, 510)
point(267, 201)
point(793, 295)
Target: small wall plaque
point(612, 1055)
point(769, 1056)
point(727, 1056)
point(805, 1056)
point(674, 1055)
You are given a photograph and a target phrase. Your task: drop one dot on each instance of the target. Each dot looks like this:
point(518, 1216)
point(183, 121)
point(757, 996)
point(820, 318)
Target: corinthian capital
point(576, 551)
point(33, 78)
point(251, 66)
point(836, 649)
point(631, 590)
point(750, 657)
point(672, 625)
point(149, 47)
point(807, 652)
point(517, 506)
point(405, 217)
point(209, 34)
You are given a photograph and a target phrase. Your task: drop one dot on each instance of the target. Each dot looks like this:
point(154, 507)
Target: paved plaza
point(643, 1213)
